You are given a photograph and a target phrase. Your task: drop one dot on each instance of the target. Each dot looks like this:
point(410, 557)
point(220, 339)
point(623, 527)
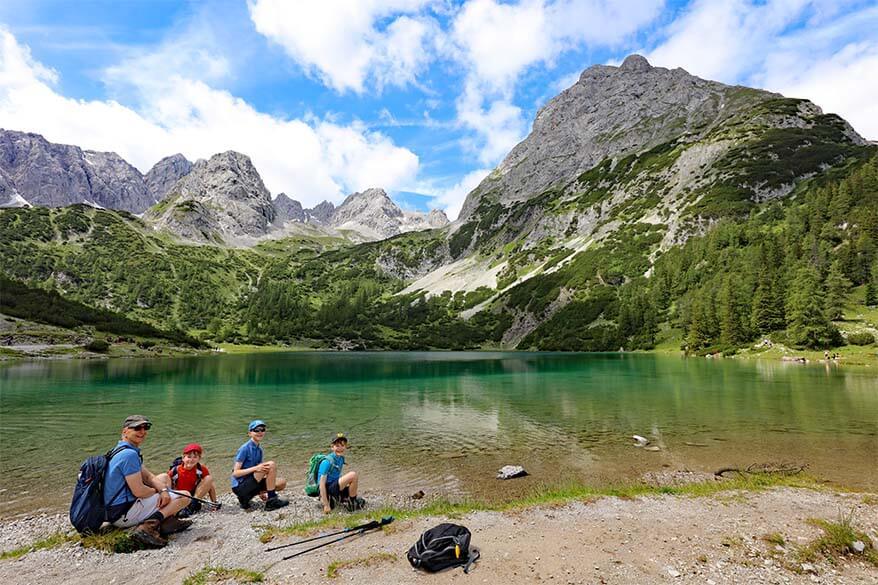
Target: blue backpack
point(87, 510)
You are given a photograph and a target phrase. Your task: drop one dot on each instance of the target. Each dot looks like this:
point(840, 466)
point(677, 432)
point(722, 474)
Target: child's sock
point(272, 494)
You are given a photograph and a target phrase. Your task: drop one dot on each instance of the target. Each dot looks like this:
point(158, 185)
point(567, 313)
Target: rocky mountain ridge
point(43, 173)
point(613, 112)
point(704, 210)
point(230, 207)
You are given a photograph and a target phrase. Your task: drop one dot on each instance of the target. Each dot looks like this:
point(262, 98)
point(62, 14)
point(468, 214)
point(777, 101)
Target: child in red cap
point(187, 474)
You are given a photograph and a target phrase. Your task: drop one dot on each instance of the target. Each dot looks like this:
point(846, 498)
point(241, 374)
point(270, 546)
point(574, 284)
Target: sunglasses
point(143, 427)
point(259, 430)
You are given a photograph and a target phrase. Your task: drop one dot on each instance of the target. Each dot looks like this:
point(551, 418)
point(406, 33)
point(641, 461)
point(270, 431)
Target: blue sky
point(416, 96)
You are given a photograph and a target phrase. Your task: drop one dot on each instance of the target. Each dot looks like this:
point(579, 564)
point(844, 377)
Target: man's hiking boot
point(147, 533)
point(172, 524)
point(245, 504)
point(275, 503)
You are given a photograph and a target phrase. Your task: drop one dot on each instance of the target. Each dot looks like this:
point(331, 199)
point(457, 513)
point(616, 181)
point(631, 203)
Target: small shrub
point(861, 338)
point(837, 541)
point(98, 345)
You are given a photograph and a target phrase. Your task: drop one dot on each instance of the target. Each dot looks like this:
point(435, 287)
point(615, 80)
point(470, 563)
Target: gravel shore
point(657, 539)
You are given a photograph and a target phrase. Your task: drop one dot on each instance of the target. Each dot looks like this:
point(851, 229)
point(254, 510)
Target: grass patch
point(111, 540)
point(334, 567)
point(775, 538)
point(55, 540)
point(837, 541)
point(220, 574)
point(547, 497)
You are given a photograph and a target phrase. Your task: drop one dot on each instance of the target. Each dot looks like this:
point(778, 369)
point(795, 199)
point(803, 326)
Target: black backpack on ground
point(443, 546)
point(87, 509)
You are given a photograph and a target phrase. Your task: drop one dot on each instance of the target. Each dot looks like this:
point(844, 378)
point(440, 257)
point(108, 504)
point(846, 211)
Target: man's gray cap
point(135, 420)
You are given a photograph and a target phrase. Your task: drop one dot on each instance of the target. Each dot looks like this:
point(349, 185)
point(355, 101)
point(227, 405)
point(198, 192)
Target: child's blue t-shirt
point(123, 463)
point(249, 454)
point(330, 467)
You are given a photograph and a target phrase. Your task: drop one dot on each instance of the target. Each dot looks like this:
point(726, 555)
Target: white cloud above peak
point(341, 43)
point(309, 159)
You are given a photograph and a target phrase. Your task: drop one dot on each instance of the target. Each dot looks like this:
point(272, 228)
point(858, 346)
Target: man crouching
point(133, 496)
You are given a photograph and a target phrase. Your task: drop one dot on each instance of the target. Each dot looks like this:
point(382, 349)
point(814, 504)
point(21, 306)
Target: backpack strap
point(474, 555)
point(112, 453)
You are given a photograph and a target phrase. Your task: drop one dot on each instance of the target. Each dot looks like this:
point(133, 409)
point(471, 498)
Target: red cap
point(192, 447)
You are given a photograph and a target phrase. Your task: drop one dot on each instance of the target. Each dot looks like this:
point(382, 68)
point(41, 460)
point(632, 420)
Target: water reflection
point(445, 419)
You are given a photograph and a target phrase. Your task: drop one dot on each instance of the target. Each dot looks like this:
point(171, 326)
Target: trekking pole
point(370, 526)
point(366, 526)
point(211, 505)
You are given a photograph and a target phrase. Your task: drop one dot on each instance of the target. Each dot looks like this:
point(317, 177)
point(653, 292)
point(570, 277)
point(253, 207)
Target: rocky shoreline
point(730, 537)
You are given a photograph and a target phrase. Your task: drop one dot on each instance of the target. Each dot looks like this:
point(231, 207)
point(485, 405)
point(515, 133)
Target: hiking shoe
point(172, 524)
point(245, 504)
point(354, 504)
point(184, 513)
point(147, 533)
point(275, 503)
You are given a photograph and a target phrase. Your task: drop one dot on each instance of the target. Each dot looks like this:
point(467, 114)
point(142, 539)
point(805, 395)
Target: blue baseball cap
point(256, 423)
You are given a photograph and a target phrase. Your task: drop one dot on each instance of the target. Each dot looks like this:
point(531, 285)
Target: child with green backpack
point(325, 478)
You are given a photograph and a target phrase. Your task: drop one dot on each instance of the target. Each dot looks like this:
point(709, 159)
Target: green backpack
point(312, 488)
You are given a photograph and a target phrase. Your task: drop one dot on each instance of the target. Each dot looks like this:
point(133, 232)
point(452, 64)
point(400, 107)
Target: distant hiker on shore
point(251, 477)
point(187, 474)
point(336, 488)
point(133, 496)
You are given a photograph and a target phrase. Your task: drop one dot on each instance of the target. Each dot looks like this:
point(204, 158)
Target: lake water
point(439, 422)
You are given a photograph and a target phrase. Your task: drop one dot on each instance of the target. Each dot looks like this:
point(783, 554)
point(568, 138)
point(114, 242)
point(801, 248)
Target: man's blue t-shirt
point(330, 467)
point(125, 462)
point(249, 454)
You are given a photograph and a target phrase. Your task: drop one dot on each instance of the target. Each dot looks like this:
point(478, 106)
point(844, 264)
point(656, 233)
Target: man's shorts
point(335, 494)
point(248, 488)
point(140, 510)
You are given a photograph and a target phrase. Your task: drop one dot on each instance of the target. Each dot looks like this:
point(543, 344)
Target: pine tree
point(703, 330)
point(837, 289)
point(808, 325)
point(733, 311)
point(872, 287)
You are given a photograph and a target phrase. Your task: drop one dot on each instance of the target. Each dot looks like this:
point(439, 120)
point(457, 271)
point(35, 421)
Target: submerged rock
point(511, 471)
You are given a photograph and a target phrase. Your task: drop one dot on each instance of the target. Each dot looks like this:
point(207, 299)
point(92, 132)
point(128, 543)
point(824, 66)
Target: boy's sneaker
point(275, 503)
point(147, 533)
point(354, 504)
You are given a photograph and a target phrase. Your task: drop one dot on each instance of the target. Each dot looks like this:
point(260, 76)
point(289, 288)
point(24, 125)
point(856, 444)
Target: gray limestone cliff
point(288, 209)
point(374, 215)
point(611, 112)
point(222, 200)
point(162, 177)
point(54, 175)
point(321, 213)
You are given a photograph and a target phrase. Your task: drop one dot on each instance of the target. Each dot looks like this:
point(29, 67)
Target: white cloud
point(338, 40)
point(845, 83)
point(483, 33)
point(807, 49)
point(451, 198)
point(311, 160)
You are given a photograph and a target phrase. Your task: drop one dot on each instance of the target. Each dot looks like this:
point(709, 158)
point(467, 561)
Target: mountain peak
point(635, 63)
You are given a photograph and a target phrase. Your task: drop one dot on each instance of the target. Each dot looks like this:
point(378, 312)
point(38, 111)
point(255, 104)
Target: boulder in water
point(511, 471)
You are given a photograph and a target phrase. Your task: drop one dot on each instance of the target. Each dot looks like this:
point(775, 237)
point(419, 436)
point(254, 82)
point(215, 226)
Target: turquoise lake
point(440, 422)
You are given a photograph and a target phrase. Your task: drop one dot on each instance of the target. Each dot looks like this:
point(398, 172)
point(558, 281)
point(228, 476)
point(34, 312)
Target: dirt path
point(665, 539)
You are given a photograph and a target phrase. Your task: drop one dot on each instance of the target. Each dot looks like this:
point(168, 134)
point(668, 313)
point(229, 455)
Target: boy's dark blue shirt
point(249, 454)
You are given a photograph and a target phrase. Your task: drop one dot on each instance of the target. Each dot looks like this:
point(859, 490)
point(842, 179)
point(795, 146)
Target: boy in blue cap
point(251, 477)
point(335, 487)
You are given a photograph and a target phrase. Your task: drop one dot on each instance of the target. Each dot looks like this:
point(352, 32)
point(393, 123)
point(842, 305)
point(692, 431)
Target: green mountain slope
point(644, 199)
